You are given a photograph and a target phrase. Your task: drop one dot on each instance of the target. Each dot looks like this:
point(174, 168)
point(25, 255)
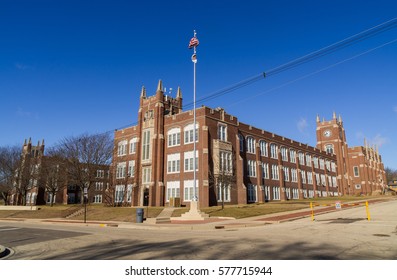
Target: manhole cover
point(381, 235)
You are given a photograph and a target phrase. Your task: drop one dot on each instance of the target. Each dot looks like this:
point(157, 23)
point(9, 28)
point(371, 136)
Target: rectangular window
point(251, 168)
point(129, 193)
point(97, 198)
point(146, 147)
point(173, 163)
point(222, 133)
point(263, 148)
point(189, 157)
point(295, 193)
point(267, 193)
point(274, 151)
point(265, 170)
point(310, 178)
point(173, 190)
point(251, 192)
point(308, 160)
point(189, 134)
point(119, 194)
point(120, 170)
point(225, 190)
point(321, 164)
point(292, 156)
point(276, 193)
point(122, 148)
point(131, 168)
point(275, 175)
point(225, 162)
point(189, 190)
point(315, 162)
point(146, 174)
point(356, 171)
point(286, 173)
point(294, 175)
point(284, 154)
point(100, 173)
point(133, 142)
point(303, 174)
point(174, 137)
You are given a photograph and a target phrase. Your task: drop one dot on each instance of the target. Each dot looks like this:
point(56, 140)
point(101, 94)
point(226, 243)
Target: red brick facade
point(153, 159)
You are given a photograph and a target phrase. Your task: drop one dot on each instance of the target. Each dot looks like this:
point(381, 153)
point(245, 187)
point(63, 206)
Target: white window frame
point(173, 190)
point(222, 132)
point(263, 146)
point(189, 133)
point(273, 151)
point(250, 145)
point(173, 163)
point(188, 190)
point(133, 144)
point(252, 193)
point(188, 161)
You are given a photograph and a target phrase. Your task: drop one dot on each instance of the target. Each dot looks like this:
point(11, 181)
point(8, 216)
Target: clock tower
point(331, 137)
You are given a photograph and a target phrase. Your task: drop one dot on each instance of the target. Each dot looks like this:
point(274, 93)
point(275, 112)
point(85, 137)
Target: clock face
point(327, 133)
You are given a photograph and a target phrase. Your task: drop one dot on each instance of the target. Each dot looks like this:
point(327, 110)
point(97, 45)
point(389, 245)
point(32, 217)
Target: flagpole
point(195, 196)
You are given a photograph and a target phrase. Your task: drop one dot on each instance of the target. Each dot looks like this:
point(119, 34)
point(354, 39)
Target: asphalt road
point(343, 234)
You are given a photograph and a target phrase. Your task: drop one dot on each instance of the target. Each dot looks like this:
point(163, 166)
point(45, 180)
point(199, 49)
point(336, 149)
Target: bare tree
point(53, 175)
point(10, 160)
point(391, 174)
point(84, 155)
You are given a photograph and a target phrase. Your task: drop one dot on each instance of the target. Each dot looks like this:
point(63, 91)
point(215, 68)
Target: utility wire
point(383, 27)
point(314, 73)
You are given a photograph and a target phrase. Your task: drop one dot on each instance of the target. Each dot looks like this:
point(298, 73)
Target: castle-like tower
point(360, 169)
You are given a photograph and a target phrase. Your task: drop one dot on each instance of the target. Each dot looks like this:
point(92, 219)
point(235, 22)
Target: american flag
point(194, 42)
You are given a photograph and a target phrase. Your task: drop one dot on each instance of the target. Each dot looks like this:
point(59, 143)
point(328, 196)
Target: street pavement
point(334, 234)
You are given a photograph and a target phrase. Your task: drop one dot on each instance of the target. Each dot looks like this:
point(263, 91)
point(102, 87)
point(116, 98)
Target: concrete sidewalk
point(213, 223)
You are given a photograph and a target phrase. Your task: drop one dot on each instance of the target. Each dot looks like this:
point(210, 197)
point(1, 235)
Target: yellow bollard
point(367, 208)
point(311, 207)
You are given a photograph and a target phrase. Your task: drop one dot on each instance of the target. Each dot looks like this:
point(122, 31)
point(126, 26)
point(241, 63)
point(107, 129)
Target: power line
point(383, 27)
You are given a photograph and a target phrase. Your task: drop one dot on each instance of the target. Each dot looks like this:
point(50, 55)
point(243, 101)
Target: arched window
point(273, 151)
point(241, 138)
point(250, 145)
point(329, 148)
point(174, 137)
point(263, 147)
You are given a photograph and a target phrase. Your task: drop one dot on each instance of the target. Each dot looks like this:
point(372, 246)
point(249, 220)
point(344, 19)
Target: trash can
point(139, 215)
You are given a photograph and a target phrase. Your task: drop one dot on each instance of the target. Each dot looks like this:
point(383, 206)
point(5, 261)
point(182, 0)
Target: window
point(189, 157)
point(295, 193)
point(146, 174)
point(222, 188)
point(129, 193)
point(273, 151)
point(286, 173)
point(311, 193)
point(241, 139)
point(356, 171)
point(173, 163)
point(251, 168)
point(265, 170)
point(222, 132)
point(318, 179)
point(225, 162)
point(334, 182)
point(333, 166)
point(328, 165)
point(275, 175)
point(288, 193)
point(120, 170)
point(174, 137)
point(276, 193)
point(294, 175)
point(50, 198)
point(98, 186)
point(301, 158)
point(133, 142)
point(251, 192)
point(267, 193)
point(323, 182)
point(119, 193)
point(100, 173)
point(250, 145)
point(189, 190)
point(329, 148)
point(322, 164)
point(263, 147)
point(303, 174)
point(310, 178)
point(131, 168)
point(308, 160)
point(315, 162)
point(122, 148)
point(146, 149)
point(97, 198)
point(292, 156)
point(173, 189)
point(189, 133)
point(284, 154)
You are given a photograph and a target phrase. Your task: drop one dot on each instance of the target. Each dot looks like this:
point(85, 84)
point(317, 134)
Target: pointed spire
point(179, 93)
point(318, 118)
point(30, 140)
point(24, 143)
point(38, 143)
point(143, 92)
point(42, 142)
point(340, 118)
point(334, 116)
point(159, 86)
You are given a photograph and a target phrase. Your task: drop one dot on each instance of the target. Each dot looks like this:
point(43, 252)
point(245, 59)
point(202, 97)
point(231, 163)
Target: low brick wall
point(12, 207)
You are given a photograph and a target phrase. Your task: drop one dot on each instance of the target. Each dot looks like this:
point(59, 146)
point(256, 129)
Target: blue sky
point(68, 67)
